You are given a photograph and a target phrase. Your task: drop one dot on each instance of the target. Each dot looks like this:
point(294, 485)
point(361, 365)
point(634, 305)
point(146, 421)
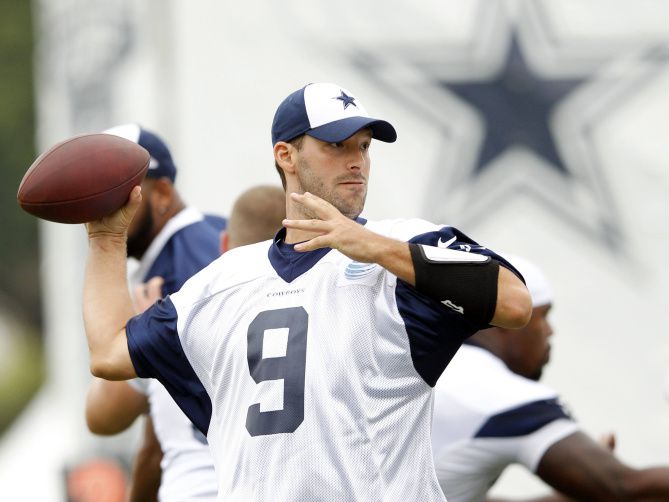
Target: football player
point(491, 411)
point(309, 361)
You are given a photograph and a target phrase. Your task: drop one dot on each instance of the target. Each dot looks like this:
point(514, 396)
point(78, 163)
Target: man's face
point(528, 349)
point(336, 172)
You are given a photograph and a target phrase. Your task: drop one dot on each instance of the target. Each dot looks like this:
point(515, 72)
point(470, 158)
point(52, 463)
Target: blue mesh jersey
point(485, 418)
point(310, 373)
point(187, 243)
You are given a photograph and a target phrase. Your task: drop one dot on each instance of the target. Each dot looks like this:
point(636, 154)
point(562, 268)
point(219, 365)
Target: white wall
point(209, 74)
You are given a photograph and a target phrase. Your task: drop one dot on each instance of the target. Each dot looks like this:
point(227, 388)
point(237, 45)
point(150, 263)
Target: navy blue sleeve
point(187, 252)
point(452, 238)
point(156, 352)
point(522, 420)
point(218, 222)
point(435, 331)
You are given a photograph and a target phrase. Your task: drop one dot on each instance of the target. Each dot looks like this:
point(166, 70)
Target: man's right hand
point(117, 223)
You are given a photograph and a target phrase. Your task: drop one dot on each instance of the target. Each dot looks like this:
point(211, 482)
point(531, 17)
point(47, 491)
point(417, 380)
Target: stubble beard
point(350, 207)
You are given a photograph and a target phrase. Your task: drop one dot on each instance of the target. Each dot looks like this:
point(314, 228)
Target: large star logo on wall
point(515, 106)
point(510, 130)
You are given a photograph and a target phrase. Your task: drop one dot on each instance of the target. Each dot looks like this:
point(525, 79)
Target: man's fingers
point(154, 286)
point(118, 222)
point(608, 441)
point(134, 200)
point(314, 203)
point(310, 225)
point(151, 289)
point(315, 243)
point(138, 291)
point(148, 293)
point(317, 199)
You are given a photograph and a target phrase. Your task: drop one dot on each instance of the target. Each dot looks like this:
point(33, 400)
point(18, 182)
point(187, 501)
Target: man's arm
point(112, 407)
point(607, 440)
point(583, 469)
point(512, 310)
point(146, 470)
point(106, 301)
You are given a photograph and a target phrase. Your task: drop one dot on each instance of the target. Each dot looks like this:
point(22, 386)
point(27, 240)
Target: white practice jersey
point(485, 418)
point(187, 466)
point(311, 373)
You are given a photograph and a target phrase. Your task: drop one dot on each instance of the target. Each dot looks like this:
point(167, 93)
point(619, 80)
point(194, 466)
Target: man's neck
point(295, 212)
point(294, 236)
point(487, 339)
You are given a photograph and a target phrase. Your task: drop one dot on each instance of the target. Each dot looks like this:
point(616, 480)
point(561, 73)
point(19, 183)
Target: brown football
point(83, 178)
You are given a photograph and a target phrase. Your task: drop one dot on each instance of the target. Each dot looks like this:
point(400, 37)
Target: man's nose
point(356, 159)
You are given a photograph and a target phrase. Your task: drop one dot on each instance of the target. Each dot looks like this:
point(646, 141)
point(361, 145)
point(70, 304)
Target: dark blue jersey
point(190, 242)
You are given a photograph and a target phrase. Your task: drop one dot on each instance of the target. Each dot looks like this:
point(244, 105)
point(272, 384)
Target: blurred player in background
point(491, 411)
point(256, 216)
point(172, 241)
point(309, 361)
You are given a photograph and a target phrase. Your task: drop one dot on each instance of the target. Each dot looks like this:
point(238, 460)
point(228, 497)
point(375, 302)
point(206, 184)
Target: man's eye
point(337, 145)
point(364, 146)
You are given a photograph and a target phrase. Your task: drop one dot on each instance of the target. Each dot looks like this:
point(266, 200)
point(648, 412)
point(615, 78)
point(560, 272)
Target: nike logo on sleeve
point(443, 245)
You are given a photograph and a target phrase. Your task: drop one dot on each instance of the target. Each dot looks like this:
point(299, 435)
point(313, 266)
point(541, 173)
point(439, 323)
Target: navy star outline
point(346, 99)
point(473, 174)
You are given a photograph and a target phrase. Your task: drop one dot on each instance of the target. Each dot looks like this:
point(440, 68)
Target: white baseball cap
point(535, 280)
point(327, 112)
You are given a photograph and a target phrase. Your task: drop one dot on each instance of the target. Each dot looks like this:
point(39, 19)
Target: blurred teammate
point(256, 216)
point(490, 411)
point(171, 241)
point(309, 361)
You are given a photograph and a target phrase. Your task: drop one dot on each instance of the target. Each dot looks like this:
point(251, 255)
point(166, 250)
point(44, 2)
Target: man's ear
point(225, 241)
point(163, 185)
point(162, 195)
point(284, 156)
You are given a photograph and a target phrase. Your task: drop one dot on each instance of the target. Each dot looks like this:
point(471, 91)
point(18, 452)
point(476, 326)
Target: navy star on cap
point(316, 110)
point(346, 99)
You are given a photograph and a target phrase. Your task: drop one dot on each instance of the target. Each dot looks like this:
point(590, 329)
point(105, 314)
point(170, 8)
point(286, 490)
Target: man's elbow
point(100, 367)
point(110, 358)
point(519, 314)
point(98, 425)
point(108, 419)
point(108, 368)
point(514, 309)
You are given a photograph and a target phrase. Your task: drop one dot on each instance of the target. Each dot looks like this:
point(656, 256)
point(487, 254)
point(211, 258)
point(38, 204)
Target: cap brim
point(340, 130)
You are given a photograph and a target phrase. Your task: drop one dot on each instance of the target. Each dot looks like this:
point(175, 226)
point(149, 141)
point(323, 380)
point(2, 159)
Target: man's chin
point(349, 210)
point(536, 376)
point(352, 213)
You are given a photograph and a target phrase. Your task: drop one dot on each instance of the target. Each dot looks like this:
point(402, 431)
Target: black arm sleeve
point(464, 282)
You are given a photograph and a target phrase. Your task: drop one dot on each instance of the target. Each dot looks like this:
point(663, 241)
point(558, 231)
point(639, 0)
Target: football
point(83, 178)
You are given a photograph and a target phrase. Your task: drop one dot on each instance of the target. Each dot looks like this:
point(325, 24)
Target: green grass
point(21, 376)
